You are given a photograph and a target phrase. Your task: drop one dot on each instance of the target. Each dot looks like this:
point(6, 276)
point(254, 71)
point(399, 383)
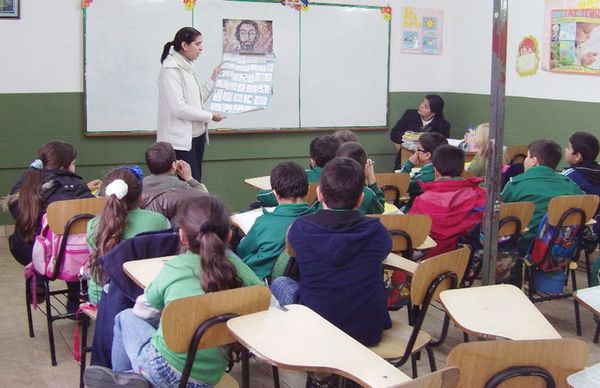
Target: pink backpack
point(46, 251)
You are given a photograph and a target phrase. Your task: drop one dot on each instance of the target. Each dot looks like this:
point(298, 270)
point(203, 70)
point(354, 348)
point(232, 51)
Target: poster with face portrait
point(572, 38)
point(422, 30)
point(248, 36)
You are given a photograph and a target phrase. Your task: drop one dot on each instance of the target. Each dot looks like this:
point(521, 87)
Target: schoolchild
point(454, 204)
point(339, 252)
point(205, 267)
point(344, 136)
point(581, 154)
point(51, 177)
point(538, 184)
point(426, 146)
point(322, 150)
point(121, 218)
point(265, 241)
point(374, 199)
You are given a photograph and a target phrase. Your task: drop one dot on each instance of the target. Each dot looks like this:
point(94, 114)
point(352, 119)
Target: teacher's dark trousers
point(194, 156)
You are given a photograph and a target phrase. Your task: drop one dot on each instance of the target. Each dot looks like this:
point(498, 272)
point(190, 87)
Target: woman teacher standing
point(428, 118)
point(182, 119)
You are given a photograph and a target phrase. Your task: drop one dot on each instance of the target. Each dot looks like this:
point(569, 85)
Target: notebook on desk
point(245, 220)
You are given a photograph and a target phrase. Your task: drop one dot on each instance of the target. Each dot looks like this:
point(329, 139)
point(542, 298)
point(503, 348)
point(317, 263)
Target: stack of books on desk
point(410, 139)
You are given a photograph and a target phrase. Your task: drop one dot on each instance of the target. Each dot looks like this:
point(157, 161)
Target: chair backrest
point(516, 153)
point(445, 378)
point(60, 212)
point(181, 317)
point(509, 212)
point(467, 174)
point(559, 205)
point(393, 185)
point(311, 196)
point(416, 226)
point(454, 261)
point(479, 361)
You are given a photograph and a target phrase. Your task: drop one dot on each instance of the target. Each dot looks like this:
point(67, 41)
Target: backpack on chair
point(48, 247)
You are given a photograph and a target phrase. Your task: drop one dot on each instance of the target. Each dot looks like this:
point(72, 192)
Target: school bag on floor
point(46, 250)
point(564, 243)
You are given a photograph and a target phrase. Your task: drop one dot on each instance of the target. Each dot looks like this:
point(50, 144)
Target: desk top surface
point(143, 272)
point(498, 311)
point(590, 298)
point(261, 182)
point(589, 377)
point(313, 344)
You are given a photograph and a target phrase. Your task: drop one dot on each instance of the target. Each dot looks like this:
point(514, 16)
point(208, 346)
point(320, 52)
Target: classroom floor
point(25, 361)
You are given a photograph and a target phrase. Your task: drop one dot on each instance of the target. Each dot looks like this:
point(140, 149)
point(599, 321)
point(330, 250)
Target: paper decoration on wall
point(528, 56)
point(244, 84)
point(422, 30)
point(572, 37)
point(298, 5)
point(248, 36)
point(189, 4)
point(387, 13)
point(86, 3)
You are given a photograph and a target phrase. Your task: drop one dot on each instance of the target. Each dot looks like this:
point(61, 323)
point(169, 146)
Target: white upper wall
point(43, 51)
point(46, 51)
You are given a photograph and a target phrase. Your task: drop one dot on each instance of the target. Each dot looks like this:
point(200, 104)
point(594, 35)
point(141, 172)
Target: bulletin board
point(331, 68)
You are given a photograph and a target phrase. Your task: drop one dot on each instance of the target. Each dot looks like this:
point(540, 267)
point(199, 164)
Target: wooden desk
point(261, 182)
point(589, 298)
point(300, 339)
point(496, 312)
point(589, 377)
point(143, 272)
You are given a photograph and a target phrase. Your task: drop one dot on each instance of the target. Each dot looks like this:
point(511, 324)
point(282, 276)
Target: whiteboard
point(344, 67)
point(331, 66)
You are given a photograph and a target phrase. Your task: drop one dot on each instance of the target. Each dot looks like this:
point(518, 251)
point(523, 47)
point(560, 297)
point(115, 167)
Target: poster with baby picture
point(574, 45)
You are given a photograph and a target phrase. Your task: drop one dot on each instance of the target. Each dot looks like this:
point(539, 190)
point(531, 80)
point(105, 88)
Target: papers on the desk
point(245, 220)
point(261, 182)
point(455, 142)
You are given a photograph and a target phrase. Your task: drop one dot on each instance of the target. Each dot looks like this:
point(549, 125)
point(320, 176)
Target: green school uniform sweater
point(266, 198)
point(538, 184)
point(180, 278)
point(374, 200)
point(266, 239)
point(138, 221)
point(425, 174)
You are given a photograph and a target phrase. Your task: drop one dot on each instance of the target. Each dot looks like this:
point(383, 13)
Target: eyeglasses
point(421, 150)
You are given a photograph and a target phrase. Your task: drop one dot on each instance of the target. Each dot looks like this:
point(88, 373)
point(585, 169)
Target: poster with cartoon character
point(422, 30)
point(528, 57)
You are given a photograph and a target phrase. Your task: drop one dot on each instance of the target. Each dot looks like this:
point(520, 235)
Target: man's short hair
point(430, 141)
point(323, 149)
point(449, 161)
point(289, 180)
point(354, 151)
point(344, 136)
point(342, 182)
point(585, 144)
point(547, 152)
point(160, 157)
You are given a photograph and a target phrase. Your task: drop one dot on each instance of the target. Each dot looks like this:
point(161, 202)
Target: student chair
point(532, 364)
point(394, 187)
point(514, 218)
point(198, 322)
point(563, 211)
point(516, 153)
point(590, 299)
point(444, 378)
point(408, 231)
point(64, 218)
point(431, 277)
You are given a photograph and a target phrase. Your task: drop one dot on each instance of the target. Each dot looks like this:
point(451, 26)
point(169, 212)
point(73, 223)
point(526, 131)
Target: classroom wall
point(41, 97)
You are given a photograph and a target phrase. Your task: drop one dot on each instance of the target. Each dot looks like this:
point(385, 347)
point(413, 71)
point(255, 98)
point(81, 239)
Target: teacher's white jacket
point(175, 111)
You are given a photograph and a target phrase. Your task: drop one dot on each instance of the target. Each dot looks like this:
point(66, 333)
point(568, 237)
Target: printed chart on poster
point(422, 30)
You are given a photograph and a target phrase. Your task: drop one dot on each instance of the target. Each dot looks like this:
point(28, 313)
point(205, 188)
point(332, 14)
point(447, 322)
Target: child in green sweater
point(374, 199)
point(266, 239)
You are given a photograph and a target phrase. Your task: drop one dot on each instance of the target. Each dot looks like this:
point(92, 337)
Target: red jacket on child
point(454, 205)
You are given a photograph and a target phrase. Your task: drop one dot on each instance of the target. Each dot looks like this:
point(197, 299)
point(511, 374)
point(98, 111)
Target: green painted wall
point(29, 120)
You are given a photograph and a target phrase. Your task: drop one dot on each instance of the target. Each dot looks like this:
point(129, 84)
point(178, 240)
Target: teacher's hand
point(217, 117)
point(216, 72)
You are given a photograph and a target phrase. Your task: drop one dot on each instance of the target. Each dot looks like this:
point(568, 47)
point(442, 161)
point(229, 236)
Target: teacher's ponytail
point(166, 51)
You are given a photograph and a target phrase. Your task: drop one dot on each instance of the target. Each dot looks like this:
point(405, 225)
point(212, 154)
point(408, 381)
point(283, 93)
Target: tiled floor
point(25, 361)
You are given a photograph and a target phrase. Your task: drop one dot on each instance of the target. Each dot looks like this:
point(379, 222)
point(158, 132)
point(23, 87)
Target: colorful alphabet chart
point(244, 84)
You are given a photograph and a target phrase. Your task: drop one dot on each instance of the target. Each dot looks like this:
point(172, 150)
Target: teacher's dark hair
point(186, 34)
point(436, 104)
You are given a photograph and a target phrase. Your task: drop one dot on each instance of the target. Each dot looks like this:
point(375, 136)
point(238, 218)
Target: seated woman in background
point(120, 219)
point(49, 178)
point(429, 117)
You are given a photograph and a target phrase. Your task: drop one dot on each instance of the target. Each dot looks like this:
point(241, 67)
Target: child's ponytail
point(205, 222)
point(30, 201)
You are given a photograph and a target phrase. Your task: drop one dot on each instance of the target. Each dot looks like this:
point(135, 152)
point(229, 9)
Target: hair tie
point(136, 170)
point(118, 188)
point(208, 227)
point(37, 164)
